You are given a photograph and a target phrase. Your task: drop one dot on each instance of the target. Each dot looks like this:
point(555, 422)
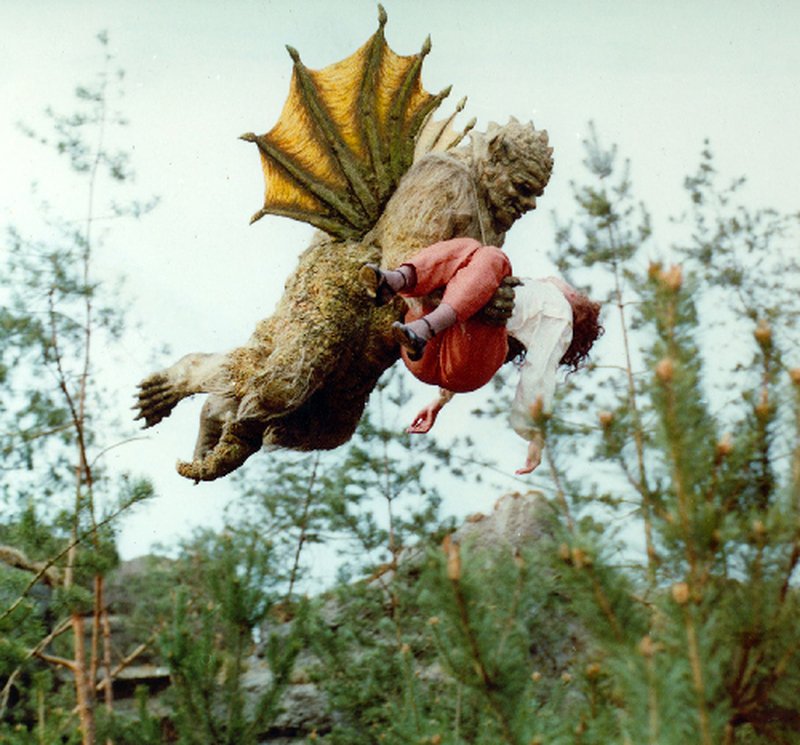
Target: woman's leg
point(462, 358)
point(470, 274)
point(431, 268)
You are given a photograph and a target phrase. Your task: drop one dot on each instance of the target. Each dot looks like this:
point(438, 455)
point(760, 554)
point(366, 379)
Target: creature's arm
point(426, 418)
point(160, 392)
point(499, 309)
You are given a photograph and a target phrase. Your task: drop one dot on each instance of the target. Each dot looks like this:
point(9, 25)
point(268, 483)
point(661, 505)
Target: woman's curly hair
point(586, 330)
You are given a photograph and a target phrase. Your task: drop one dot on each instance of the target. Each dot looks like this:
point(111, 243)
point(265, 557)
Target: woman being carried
point(552, 324)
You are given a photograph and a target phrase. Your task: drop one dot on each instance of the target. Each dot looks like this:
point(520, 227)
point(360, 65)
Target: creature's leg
point(321, 329)
point(217, 411)
point(308, 351)
point(290, 374)
point(161, 391)
point(237, 442)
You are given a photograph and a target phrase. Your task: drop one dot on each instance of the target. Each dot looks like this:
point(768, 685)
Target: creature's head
point(514, 163)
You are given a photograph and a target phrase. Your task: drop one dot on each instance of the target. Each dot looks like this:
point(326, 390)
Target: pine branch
point(560, 494)
point(43, 570)
point(60, 628)
point(53, 660)
point(487, 683)
point(55, 559)
point(303, 523)
point(697, 674)
point(789, 571)
point(512, 613)
point(638, 432)
point(602, 600)
point(126, 661)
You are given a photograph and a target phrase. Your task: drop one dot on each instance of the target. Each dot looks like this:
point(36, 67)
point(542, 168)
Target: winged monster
point(357, 154)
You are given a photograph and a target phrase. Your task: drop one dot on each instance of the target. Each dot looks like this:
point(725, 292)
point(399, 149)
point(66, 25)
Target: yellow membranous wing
point(346, 136)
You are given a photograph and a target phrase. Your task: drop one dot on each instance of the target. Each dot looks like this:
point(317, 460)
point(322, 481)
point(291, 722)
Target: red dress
point(465, 356)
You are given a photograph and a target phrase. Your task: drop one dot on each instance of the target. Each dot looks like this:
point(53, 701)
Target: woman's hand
point(425, 419)
point(534, 457)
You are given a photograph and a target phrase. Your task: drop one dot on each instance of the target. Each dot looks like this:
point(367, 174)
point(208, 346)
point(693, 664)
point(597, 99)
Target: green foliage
point(59, 502)
point(580, 638)
point(660, 605)
point(492, 608)
point(20, 630)
point(143, 729)
point(211, 637)
point(469, 644)
point(699, 433)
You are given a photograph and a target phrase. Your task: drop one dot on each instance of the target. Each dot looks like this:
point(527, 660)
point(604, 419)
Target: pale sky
point(657, 78)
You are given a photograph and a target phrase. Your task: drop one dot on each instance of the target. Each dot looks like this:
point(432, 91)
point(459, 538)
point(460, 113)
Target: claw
point(155, 399)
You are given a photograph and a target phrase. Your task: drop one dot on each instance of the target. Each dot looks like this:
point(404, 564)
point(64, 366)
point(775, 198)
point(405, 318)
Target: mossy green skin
point(303, 379)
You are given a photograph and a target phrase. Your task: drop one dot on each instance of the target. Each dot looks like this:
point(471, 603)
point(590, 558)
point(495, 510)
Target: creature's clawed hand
point(499, 309)
point(156, 399)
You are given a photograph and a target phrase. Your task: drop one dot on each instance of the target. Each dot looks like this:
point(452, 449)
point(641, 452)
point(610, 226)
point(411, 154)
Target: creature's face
point(516, 171)
point(511, 193)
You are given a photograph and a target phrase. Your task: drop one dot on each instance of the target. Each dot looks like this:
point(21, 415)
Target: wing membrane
point(345, 137)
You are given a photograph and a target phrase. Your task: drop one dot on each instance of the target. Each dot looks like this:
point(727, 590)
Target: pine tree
point(690, 639)
point(695, 644)
point(61, 501)
point(229, 591)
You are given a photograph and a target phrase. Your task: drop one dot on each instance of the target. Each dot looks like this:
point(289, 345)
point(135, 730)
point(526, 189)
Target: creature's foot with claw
point(236, 444)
